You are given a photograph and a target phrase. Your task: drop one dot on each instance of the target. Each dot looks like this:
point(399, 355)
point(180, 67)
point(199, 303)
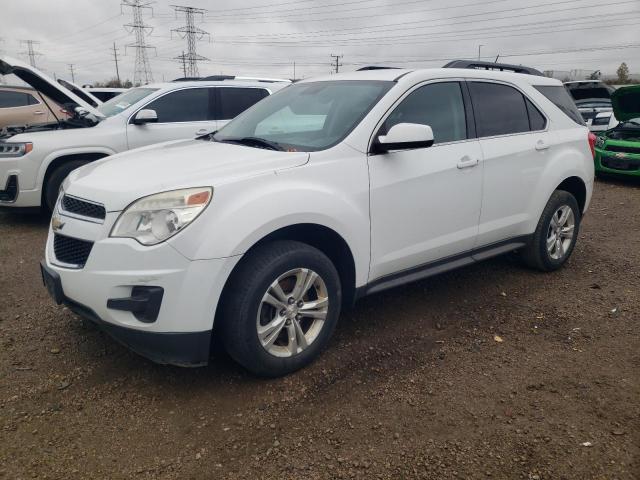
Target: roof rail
point(376, 67)
point(504, 67)
point(219, 78)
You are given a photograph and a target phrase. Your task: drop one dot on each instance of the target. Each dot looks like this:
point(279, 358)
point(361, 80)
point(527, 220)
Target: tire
point(54, 181)
point(537, 254)
point(256, 333)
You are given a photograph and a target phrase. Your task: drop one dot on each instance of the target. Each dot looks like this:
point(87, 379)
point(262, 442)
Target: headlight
point(153, 219)
point(15, 149)
point(600, 141)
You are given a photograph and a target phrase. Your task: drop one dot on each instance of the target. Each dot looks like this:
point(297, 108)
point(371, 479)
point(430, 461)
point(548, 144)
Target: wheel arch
point(576, 187)
point(325, 239)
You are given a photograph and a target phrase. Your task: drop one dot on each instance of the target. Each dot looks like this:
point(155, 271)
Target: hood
point(80, 92)
point(119, 180)
point(626, 103)
point(44, 84)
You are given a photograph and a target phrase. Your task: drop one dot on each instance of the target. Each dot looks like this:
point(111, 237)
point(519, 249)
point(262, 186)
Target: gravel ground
point(492, 371)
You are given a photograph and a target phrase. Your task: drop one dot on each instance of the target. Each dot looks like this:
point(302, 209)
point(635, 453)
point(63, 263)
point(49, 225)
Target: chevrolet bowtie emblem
point(621, 155)
point(56, 223)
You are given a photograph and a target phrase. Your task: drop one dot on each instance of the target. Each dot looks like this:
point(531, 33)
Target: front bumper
point(613, 163)
point(180, 329)
point(23, 171)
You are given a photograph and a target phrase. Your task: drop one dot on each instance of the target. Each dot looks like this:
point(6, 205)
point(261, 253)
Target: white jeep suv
point(328, 190)
point(34, 160)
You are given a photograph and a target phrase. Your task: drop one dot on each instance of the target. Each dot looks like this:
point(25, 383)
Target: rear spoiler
point(503, 67)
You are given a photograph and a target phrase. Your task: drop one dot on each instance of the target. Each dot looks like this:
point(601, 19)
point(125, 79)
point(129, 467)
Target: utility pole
point(479, 48)
point(73, 77)
point(294, 70)
point(183, 57)
point(31, 52)
point(337, 63)
point(115, 58)
point(1, 76)
point(142, 73)
point(192, 34)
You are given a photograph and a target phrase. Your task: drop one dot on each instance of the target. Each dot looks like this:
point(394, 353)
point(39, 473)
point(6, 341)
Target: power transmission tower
point(31, 52)
point(142, 73)
point(192, 34)
point(115, 58)
point(73, 77)
point(337, 63)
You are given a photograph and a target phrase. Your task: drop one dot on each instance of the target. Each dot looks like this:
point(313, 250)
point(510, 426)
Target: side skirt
point(443, 265)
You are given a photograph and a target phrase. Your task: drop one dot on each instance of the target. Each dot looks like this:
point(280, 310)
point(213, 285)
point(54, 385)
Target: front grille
point(623, 149)
point(82, 207)
point(620, 164)
point(72, 251)
point(10, 192)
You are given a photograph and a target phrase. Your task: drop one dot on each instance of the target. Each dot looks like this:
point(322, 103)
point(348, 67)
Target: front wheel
point(280, 308)
point(54, 181)
point(556, 234)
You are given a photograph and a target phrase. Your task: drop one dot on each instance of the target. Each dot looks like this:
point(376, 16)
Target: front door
point(425, 202)
point(182, 114)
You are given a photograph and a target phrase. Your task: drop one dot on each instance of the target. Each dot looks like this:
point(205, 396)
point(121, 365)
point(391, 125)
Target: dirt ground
point(415, 384)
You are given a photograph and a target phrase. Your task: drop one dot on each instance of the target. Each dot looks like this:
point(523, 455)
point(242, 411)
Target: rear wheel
point(280, 308)
point(55, 179)
point(556, 233)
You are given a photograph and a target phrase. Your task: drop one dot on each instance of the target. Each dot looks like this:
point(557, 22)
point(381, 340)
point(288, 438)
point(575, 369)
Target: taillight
point(592, 144)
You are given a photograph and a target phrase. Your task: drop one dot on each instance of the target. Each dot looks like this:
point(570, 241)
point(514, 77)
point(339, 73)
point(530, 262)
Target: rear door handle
point(467, 162)
point(202, 131)
point(541, 145)
point(38, 112)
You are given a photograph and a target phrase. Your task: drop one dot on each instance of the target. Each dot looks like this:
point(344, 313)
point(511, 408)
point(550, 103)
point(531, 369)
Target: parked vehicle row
point(593, 99)
point(27, 106)
point(34, 160)
point(331, 189)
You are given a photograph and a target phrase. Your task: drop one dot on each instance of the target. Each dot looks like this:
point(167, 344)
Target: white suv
point(34, 160)
point(331, 189)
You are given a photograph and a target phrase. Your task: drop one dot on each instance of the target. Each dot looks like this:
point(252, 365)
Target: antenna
point(142, 73)
point(191, 33)
point(31, 52)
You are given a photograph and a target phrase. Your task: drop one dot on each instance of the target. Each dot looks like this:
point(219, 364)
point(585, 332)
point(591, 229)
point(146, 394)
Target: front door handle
point(202, 131)
point(541, 145)
point(38, 112)
point(467, 162)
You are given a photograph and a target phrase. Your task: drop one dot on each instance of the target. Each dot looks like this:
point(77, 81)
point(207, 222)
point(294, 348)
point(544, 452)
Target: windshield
point(307, 116)
point(124, 101)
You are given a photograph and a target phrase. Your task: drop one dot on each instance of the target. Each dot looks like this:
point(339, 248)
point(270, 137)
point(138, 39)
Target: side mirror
point(144, 116)
point(404, 136)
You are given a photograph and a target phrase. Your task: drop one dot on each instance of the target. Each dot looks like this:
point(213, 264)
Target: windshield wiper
point(254, 142)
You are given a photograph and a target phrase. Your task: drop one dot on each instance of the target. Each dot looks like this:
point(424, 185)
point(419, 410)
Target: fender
point(575, 162)
point(69, 151)
point(239, 217)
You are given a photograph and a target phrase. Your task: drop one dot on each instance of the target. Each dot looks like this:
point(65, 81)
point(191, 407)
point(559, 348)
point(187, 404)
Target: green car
point(618, 149)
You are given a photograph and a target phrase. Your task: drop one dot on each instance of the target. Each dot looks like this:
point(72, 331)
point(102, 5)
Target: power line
point(31, 52)
point(142, 72)
point(191, 33)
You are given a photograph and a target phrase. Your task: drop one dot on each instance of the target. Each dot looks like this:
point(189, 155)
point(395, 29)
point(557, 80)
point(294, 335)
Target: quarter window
point(234, 101)
point(499, 109)
point(189, 105)
point(536, 119)
point(439, 105)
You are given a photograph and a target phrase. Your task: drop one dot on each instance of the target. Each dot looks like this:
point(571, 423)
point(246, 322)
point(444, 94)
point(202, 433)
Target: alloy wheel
point(560, 232)
point(292, 312)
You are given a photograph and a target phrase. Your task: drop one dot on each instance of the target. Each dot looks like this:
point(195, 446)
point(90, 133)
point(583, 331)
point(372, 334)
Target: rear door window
point(233, 101)
point(439, 105)
point(558, 95)
point(499, 109)
point(188, 105)
point(9, 99)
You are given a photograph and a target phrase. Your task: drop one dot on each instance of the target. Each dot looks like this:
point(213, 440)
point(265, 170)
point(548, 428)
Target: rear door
point(232, 101)
point(182, 114)
point(21, 108)
point(515, 142)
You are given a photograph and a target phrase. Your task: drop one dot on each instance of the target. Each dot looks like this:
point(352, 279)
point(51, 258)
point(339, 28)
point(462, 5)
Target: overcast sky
point(260, 37)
